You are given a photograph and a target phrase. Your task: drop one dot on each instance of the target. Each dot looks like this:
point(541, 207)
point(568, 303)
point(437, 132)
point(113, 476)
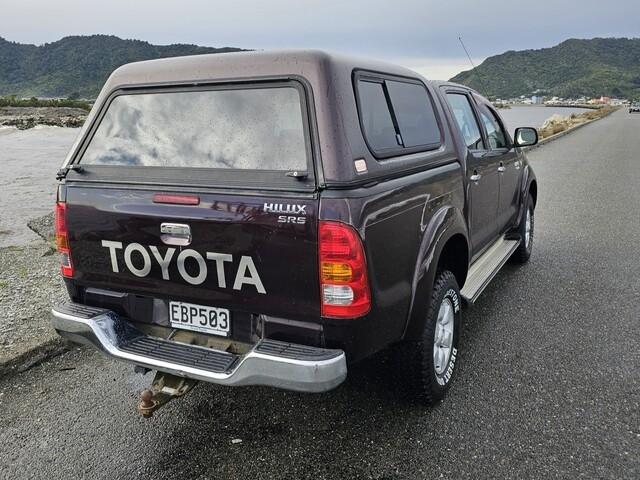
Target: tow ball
point(164, 388)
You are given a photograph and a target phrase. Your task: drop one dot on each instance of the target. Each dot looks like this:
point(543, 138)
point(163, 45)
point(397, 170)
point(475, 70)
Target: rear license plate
point(215, 321)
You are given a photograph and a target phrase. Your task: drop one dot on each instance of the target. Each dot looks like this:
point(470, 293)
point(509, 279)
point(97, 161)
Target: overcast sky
point(422, 34)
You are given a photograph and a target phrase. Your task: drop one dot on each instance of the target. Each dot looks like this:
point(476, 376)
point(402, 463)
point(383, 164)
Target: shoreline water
point(24, 118)
point(548, 120)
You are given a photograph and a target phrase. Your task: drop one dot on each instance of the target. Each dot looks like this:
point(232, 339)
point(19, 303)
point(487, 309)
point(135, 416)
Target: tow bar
point(164, 388)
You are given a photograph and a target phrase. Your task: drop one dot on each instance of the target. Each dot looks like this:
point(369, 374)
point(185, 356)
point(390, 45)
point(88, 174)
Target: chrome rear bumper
point(272, 363)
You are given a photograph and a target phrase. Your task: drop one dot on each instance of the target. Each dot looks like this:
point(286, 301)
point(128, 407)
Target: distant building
point(537, 99)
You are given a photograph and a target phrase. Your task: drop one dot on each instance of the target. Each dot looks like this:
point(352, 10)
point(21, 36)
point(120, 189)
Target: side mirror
point(525, 137)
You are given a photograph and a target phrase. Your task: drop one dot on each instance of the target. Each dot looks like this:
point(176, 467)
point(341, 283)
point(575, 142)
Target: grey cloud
point(402, 28)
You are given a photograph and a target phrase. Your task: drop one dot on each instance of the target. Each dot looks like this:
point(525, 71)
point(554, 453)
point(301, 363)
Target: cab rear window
point(251, 128)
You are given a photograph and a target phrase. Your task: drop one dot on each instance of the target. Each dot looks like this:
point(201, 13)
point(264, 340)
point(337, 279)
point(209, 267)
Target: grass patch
point(13, 101)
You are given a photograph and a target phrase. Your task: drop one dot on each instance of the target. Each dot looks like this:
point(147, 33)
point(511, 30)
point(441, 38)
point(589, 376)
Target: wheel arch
point(533, 190)
point(444, 245)
point(455, 257)
point(529, 186)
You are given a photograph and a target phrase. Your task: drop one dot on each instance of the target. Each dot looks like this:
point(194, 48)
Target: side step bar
point(486, 266)
point(278, 364)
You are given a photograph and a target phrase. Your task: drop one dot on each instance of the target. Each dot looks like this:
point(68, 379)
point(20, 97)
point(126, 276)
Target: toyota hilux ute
point(271, 218)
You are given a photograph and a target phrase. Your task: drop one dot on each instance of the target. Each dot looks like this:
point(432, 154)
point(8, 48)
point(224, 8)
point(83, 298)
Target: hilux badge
point(288, 208)
point(293, 213)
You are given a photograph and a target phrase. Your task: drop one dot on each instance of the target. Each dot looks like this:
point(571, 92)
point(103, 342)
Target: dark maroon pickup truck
point(270, 218)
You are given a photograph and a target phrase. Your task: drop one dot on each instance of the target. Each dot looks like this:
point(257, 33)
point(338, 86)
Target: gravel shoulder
point(29, 285)
point(29, 268)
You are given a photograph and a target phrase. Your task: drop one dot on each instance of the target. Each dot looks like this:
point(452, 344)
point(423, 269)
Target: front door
point(508, 166)
point(482, 173)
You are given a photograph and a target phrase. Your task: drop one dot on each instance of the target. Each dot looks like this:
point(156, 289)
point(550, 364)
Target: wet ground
point(548, 386)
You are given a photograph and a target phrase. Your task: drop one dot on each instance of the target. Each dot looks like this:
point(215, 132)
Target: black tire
point(416, 359)
point(523, 252)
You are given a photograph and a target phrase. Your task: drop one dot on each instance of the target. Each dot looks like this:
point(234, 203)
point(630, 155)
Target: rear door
point(482, 171)
point(201, 196)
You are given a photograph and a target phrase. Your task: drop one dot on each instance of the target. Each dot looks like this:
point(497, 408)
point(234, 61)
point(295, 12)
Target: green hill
point(77, 66)
point(574, 68)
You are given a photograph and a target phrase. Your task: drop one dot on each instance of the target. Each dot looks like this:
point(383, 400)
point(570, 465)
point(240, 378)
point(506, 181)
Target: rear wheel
point(525, 230)
point(428, 365)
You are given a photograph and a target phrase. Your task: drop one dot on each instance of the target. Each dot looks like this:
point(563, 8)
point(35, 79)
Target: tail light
point(62, 239)
point(343, 272)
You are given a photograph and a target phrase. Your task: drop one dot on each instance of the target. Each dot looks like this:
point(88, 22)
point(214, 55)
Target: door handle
point(177, 234)
point(475, 177)
point(501, 168)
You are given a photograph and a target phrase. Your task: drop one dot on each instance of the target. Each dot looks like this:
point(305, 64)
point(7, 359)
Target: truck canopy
point(324, 82)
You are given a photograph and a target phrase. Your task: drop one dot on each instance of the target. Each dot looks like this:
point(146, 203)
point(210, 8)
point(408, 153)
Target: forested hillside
point(574, 68)
point(77, 66)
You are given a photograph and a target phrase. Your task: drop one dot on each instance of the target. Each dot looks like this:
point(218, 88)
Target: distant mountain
point(77, 66)
point(574, 68)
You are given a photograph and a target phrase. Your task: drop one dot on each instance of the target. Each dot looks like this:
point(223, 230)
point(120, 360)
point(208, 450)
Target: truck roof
point(220, 66)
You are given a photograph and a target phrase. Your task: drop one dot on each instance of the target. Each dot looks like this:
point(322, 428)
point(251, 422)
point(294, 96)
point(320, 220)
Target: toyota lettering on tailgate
point(246, 273)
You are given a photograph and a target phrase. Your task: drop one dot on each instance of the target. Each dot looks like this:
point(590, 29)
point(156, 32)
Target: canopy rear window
point(239, 128)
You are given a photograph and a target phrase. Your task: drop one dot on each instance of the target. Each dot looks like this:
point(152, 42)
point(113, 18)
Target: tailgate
point(246, 253)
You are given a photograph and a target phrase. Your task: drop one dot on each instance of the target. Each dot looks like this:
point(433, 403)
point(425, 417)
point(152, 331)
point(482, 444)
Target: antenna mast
point(467, 52)
point(480, 80)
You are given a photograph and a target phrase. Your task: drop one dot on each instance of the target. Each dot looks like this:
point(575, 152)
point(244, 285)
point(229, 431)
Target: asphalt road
point(548, 385)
